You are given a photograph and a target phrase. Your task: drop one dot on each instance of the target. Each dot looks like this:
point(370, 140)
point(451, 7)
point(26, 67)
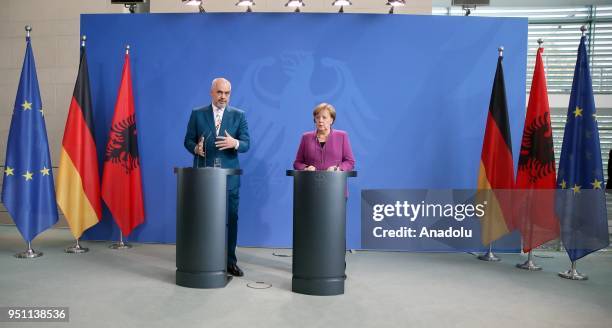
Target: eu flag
point(581, 201)
point(28, 192)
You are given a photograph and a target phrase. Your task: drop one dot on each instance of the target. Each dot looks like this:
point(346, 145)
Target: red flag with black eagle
point(535, 180)
point(121, 181)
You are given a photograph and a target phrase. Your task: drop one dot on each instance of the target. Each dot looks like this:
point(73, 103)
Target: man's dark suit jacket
point(202, 123)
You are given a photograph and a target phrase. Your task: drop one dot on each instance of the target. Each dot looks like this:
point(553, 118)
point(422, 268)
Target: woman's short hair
point(325, 106)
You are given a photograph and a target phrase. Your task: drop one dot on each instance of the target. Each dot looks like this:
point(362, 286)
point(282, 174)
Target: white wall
point(55, 41)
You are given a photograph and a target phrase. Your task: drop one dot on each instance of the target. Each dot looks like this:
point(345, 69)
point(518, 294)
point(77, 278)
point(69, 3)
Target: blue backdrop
point(412, 92)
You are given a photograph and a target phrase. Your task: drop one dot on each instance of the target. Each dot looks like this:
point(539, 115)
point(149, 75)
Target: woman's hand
point(310, 168)
point(333, 168)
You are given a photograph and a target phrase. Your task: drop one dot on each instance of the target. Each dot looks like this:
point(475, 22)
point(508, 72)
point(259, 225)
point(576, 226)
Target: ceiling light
point(341, 4)
point(192, 2)
point(395, 3)
point(296, 4)
point(246, 3)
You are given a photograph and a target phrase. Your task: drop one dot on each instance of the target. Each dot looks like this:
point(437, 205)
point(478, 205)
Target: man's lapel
point(227, 113)
point(210, 120)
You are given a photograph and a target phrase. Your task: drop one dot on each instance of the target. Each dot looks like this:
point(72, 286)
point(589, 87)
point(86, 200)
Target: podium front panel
point(201, 227)
point(319, 232)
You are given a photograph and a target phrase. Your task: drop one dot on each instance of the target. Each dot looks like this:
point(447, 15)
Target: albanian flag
point(535, 181)
point(121, 181)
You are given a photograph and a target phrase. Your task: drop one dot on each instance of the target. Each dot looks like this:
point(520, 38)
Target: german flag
point(496, 165)
point(78, 180)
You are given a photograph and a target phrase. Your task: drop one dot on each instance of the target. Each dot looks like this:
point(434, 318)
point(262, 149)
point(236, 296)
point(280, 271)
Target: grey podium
point(201, 226)
point(319, 231)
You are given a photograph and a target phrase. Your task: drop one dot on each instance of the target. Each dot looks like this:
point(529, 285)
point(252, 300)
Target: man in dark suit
point(221, 132)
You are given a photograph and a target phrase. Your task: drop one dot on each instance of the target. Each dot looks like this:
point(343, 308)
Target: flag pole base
point(29, 254)
point(120, 245)
point(573, 274)
point(529, 265)
point(76, 249)
point(489, 257)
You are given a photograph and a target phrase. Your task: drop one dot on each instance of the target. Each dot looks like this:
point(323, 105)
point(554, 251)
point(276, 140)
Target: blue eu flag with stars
point(581, 201)
point(27, 191)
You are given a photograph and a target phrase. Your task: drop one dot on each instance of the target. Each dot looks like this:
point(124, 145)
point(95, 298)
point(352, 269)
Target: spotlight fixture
point(296, 4)
point(134, 6)
point(246, 3)
point(468, 9)
point(341, 4)
point(395, 3)
point(194, 3)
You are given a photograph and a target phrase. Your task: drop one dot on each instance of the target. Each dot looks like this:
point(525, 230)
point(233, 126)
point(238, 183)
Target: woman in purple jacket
point(326, 148)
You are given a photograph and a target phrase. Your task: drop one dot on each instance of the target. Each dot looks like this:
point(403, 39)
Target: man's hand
point(333, 168)
point(227, 142)
point(310, 168)
point(199, 149)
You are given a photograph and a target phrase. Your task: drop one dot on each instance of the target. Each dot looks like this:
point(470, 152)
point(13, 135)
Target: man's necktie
point(217, 121)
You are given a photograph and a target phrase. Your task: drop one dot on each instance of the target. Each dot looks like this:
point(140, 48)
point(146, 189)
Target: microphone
point(196, 156)
point(204, 144)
